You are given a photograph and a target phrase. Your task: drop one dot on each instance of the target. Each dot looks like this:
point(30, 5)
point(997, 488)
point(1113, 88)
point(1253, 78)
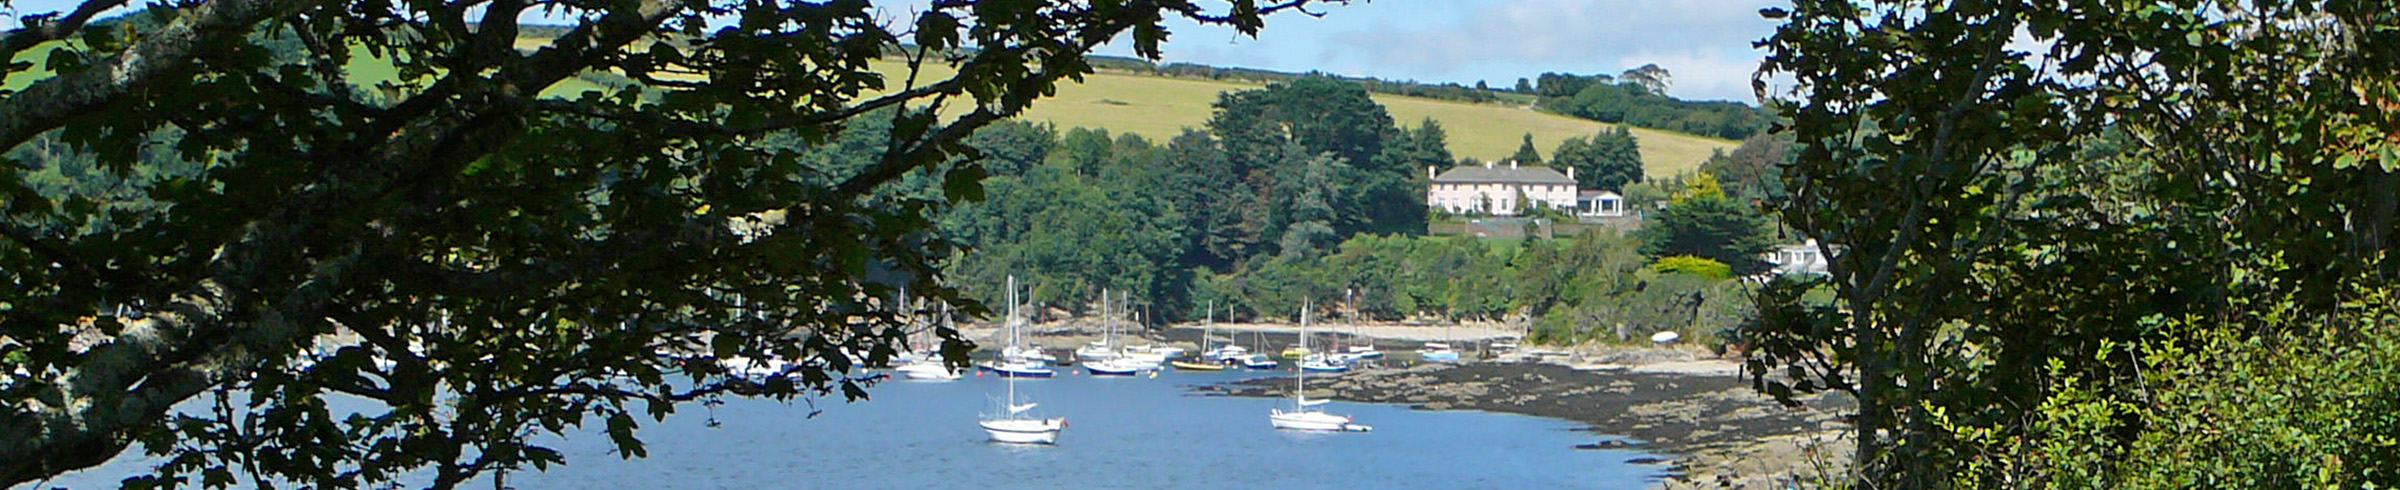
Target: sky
point(1704, 44)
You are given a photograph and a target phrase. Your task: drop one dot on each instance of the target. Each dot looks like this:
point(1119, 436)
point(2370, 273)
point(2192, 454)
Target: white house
point(1803, 258)
point(1499, 191)
point(1599, 204)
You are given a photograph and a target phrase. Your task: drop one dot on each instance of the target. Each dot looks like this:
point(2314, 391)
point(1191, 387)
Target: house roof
point(1503, 175)
point(1597, 194)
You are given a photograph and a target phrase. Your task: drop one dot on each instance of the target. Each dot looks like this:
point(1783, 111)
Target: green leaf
point(963, 184)
point(937, 30)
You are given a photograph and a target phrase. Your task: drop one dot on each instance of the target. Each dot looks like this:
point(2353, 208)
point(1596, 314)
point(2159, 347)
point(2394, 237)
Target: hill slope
point(1160, 107)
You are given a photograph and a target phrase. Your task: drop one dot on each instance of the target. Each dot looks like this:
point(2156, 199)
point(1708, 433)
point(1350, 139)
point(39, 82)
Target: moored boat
point(1320, 364)
point(1196, 365)
point(1259, 361)
point(1304, 415)
point(1017, 361)
point(1295, 352)
point(1012, 425)
point(928, 370)
point(1020, 369)
point(1116, 367)
point(1437, 352)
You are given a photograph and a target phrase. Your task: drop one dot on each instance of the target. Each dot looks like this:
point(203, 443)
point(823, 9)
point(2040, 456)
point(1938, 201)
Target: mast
point(1300, 388)
point(1011, 319)
point(1208, 328)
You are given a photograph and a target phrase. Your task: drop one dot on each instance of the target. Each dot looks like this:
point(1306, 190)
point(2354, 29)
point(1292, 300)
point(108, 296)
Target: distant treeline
point(1410, 88)
point(1610, 99)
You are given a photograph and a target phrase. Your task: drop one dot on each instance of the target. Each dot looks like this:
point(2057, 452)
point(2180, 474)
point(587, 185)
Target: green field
point(39, 56)
point(1160, 107)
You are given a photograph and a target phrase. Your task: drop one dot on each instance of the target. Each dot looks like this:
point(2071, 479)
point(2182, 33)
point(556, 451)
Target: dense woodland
point(2095, 245)
point(1264, 210)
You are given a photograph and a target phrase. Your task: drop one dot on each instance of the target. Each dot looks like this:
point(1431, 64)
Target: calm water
point(1122, 433)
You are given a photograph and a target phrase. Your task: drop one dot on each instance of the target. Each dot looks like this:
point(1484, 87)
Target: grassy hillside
point(1160, 107)
point(38, 55)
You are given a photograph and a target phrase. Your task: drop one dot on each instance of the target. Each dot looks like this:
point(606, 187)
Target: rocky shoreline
point(1719, 432)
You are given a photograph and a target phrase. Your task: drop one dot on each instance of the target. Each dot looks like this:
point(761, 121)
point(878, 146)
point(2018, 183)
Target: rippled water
point(1122, 433)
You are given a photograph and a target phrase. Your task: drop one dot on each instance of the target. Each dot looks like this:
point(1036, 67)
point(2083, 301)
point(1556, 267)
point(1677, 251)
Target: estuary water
point(1137, 432)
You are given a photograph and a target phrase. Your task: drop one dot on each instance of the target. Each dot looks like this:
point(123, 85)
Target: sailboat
point(1011, 363)
point(1259, 361)
point(1304, 415)
point(1011, 425)
point(1204, 361)
point(1106, 347)
point(925, 363)
point(1112, 360)
point(928, 364)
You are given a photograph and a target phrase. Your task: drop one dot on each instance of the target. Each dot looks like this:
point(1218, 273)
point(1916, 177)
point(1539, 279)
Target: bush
point(1698, 266)
point(2312, 403)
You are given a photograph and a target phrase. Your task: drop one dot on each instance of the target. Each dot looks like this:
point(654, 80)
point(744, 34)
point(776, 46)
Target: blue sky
point(1705, 44)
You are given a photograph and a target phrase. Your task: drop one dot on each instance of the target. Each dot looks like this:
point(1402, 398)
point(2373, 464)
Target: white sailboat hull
point(1312, 420)
point(1118, 367)
point(1025, 431)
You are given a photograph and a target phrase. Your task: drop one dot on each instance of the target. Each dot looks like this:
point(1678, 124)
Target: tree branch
point(51, 102)
point(41, 29)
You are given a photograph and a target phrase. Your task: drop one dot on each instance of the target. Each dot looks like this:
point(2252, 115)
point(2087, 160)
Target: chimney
point(1488, 164)
point(1512, 164)
point(1428, 172)
point(1570, 173)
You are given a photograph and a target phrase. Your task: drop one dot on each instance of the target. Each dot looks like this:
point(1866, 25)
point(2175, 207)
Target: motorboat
point(1321, 364)
point(1259, 361)
point(1363, 352)
point(754, 369)
point(1225, 353)
point(1296, 351)
point(1437, 352)
point(1197, 365)
point(928, 370)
